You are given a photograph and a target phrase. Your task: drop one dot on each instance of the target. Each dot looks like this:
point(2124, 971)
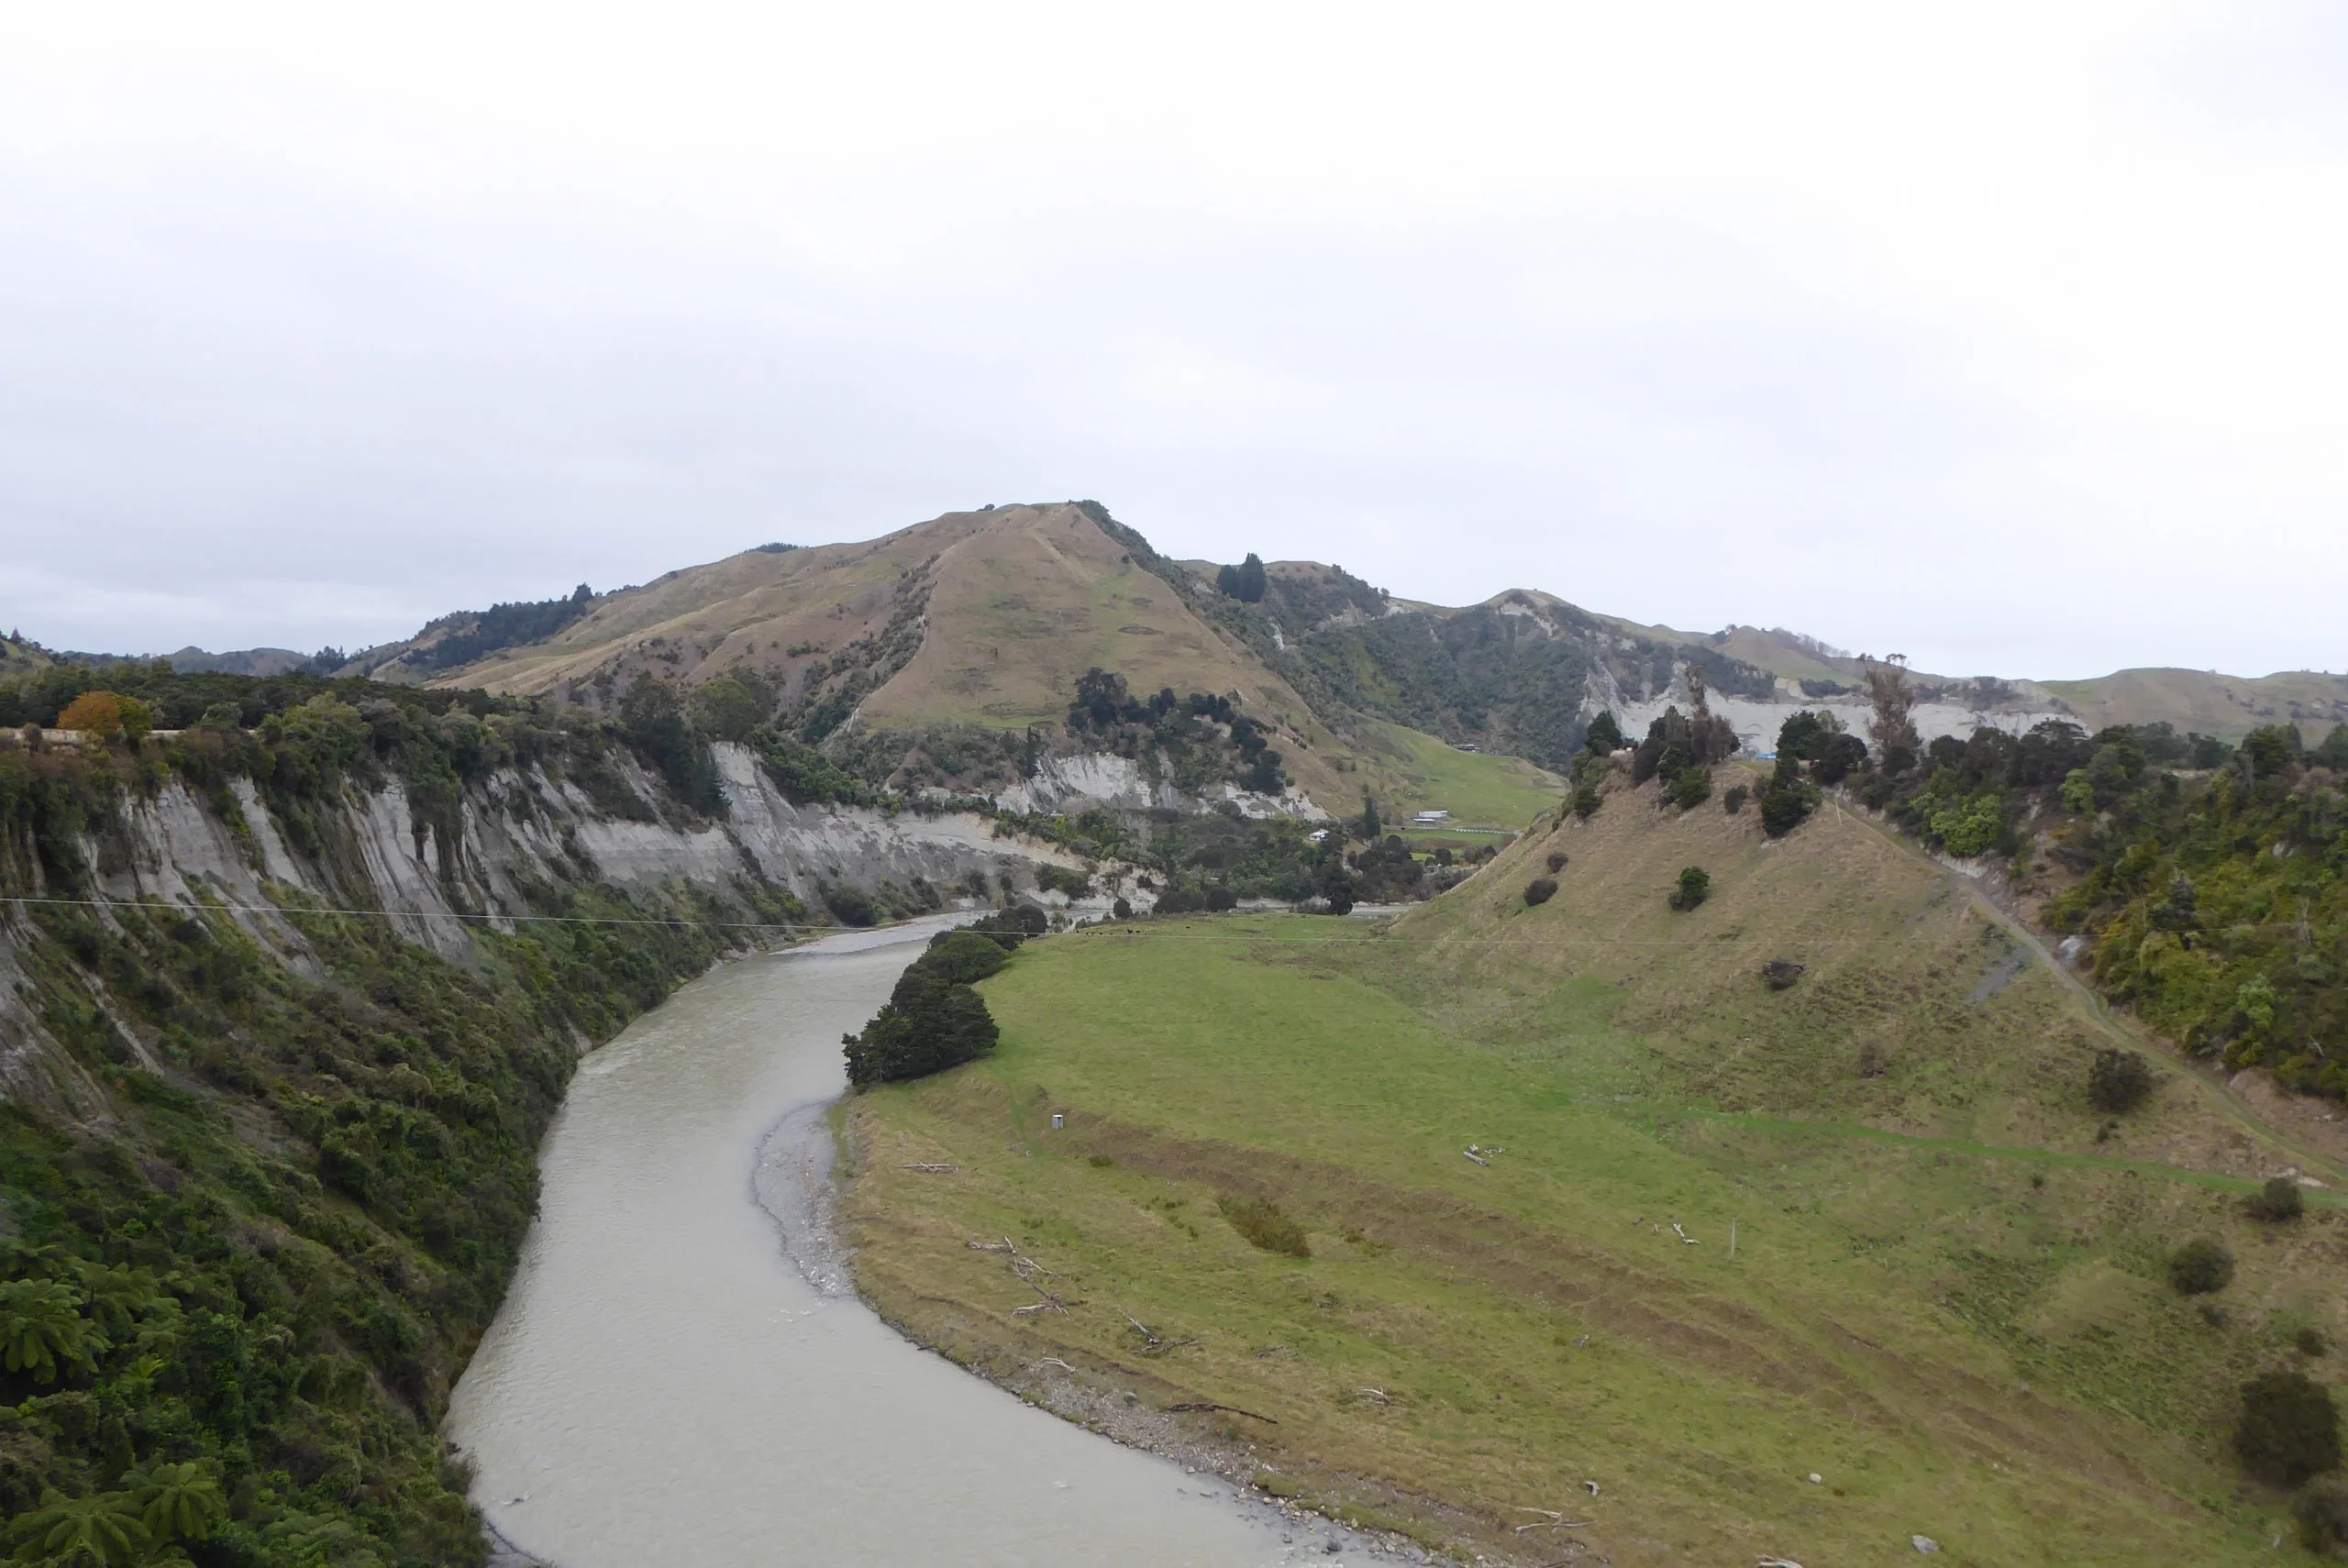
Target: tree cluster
point(1244, 582)
point(932, 1019)
point(1186, 729)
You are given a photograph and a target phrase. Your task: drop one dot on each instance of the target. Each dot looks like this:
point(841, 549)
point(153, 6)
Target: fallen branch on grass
point(929, 1170)
point(1375, 1395)
point(1050, 1303)
point(1203, 1408)
point(1002, 1246)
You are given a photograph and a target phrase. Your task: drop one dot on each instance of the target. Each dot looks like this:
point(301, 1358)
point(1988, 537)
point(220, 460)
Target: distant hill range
point(987, 618)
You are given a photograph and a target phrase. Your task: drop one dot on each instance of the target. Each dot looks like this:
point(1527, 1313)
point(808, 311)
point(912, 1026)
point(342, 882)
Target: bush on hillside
point(1839, 756)
point(851, 905)
point(1691, 787)
point(2289, 1429)
point(2118, 1081)
point(1261, 1222)
point(1121, 909)
point(1781, 973)
point(2278, 1200)
point(1540, 891)
point(2322, 1513)
point(1063, 879)
point(1694, 887)
point(1586, 800)
point(1557, 860)
point(1733, 802)
point(2200, 1268)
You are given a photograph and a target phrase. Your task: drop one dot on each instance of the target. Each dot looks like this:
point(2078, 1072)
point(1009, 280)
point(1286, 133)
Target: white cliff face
point(517, 828)
point(1090, 780)
point(1094, 779)
point(1756, 722)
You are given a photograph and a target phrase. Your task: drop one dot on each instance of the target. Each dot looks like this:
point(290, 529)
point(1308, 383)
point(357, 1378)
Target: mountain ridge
point(987, 619)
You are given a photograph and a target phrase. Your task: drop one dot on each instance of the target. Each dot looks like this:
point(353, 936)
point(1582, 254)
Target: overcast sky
point(2011, 338)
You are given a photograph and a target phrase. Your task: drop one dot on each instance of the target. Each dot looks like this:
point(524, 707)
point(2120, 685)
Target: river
point(664, 1386)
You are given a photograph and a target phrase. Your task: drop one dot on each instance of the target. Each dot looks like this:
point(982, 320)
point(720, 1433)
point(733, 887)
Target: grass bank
point(1945, 1295)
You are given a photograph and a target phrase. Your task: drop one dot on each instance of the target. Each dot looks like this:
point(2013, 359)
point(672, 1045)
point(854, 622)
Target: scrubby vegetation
point(1695, 885)
point(2210, 879)
point(1205, 739)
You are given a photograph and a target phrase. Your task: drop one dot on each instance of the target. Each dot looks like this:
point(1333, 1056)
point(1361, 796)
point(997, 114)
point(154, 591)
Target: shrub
point(1691, 787)
point(962, 957)
point(2118, 1081)
point(1695, 885)
point(1784, 808)
point(1735, 800)
point(1260, 1221)
point(1122, 910)
point(1063, 879)
point(1781, 973)
point(2280, 1200)
point(1586, 800)
point(851, 905)
point(1557, 860)
point(2199, 1267)
point(2309, 1341)
point(2322, 1511)
point(2289, 1429)
point(1540, 891)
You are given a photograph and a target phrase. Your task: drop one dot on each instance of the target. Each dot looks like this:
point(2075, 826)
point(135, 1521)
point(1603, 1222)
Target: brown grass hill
point(980, 618)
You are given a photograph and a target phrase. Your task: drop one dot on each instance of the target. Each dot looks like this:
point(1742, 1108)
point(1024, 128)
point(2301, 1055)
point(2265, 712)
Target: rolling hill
point(987, 619)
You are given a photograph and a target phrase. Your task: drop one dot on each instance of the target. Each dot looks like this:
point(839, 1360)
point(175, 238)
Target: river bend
point(663, 1385)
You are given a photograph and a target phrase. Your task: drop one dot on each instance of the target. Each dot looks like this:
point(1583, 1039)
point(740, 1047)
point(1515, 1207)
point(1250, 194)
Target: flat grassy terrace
point(1945, 1297)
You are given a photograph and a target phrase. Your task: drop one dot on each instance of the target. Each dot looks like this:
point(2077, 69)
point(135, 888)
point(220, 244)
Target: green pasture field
point(1946, 1295)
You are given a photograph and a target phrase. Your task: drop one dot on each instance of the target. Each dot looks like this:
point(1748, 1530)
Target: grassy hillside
point(980, 619)
point(1478, 788)
point(1947, 1296)
point(2191, 700)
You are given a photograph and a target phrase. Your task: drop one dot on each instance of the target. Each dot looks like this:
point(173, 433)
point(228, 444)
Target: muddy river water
point(664, 1383)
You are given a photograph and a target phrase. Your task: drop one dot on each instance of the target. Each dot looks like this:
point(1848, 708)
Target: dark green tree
point(1695, 885)
point(1604, 735)
point(2289, 1430)
point(2278, 1200)
point(2117, 1080)
point(1251, 580)
point(2200, 1268)
point(927, 1025)
point(963, 957)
